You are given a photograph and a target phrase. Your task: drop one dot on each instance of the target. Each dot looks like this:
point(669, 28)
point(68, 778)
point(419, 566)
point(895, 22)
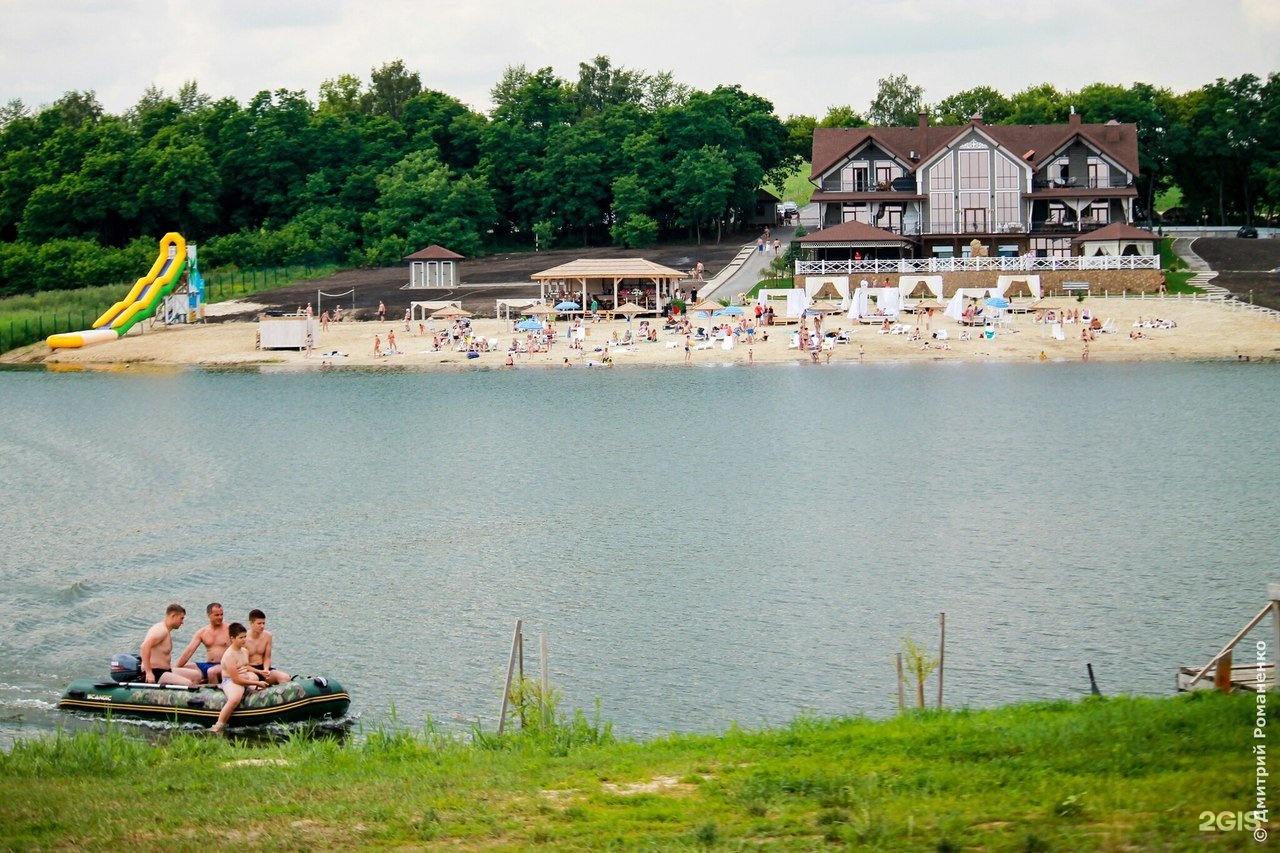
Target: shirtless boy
point(215, 641)
point(237, 677)
point(157, 651)
point(258, 644)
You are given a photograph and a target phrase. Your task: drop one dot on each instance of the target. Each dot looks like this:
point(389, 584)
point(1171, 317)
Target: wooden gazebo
point(602, 277)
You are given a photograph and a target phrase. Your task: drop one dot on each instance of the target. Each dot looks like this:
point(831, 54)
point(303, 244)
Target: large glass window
point(942, 201)
point(975, 170)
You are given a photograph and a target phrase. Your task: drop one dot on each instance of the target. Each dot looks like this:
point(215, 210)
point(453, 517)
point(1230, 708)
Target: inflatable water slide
point(147, 295)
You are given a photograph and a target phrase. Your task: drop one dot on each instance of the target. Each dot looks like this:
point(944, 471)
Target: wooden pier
point(1246, 675)
point(1243, 677)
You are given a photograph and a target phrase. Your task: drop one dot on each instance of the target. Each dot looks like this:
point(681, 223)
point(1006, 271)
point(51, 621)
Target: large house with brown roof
point(935, 192)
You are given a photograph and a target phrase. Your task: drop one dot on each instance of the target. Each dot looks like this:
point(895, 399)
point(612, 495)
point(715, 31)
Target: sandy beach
point(1204, 331)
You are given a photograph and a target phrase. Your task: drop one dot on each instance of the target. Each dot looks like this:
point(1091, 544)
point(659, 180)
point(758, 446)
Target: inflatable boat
point(303, 698)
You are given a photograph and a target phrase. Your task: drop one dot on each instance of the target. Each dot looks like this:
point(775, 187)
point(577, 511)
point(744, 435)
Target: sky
point(803, 58)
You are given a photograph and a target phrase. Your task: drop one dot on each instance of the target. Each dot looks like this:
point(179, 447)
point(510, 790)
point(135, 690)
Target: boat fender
point(321, 681)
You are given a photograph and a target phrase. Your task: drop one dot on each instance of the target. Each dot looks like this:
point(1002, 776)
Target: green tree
point(390, 88)
point(702, 187)
point(842, 116)
point(1041, 104)
point(897, 102)
point(982, 101)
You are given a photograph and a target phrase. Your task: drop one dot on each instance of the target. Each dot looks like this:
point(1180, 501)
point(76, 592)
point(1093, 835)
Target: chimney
point(924, 120)
point(1074, 119)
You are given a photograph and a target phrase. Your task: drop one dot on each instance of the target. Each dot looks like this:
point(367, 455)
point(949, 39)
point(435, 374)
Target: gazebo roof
point(434, 253)
point(851, 232)
point(1116, 231)
point(608, 268)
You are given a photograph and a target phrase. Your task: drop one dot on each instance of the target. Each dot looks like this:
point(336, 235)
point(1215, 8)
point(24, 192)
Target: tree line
point(370, 171)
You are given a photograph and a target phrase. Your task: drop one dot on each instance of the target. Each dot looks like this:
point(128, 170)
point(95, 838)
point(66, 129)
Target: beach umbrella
point(733, 310)
point(530, 325)
point(450, 311)
point(567, 306)
point(629, 310)
point(997, 302)
point(707, 307)
point(539, 310)
point(926, 304)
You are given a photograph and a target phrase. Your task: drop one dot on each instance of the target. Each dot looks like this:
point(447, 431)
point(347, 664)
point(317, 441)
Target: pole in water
point(1093, 684)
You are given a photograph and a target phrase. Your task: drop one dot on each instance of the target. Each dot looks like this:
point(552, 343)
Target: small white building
point(434, 266)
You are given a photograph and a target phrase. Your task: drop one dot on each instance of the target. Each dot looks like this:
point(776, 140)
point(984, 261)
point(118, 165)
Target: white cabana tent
point(888, 302)
point(955, 308)
point(1005, 283)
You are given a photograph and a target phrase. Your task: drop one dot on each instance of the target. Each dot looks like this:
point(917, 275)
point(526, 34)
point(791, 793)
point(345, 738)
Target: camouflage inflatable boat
point(303, 698)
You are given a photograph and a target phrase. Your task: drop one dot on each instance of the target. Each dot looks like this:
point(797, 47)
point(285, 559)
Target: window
point(1099, 173)
point(892, 220)
point(856, 213)
point(942, 202)
point(975, 170)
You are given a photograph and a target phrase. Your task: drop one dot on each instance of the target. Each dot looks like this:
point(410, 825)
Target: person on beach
point(377, 345)
point(408, 318)
point(687, 350)
point(157, 651)
point(215, 641)
point(382, 311)
point(311, 342)
point(391, 342)
point(258, 644)
point(237, 676)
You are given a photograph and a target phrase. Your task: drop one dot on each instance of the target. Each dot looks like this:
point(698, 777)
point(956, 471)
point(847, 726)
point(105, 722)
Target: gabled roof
point(434, 253)
point(1115, 140)
point(851, 232)
point(1116, 231)
point(608, 268)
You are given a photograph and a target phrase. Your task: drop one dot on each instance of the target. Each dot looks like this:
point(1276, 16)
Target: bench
point(1075, 286)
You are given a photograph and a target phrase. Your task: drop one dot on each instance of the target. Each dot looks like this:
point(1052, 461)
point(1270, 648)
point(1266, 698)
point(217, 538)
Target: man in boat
point(237, 678)
point(258, 644)
point(215, 641)
point(157, 651)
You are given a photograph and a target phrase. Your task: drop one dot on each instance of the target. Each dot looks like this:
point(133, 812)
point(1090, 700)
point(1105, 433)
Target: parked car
point(1248, 232)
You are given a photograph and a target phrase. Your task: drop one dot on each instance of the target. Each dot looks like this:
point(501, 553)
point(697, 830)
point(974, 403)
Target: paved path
point(743, 272)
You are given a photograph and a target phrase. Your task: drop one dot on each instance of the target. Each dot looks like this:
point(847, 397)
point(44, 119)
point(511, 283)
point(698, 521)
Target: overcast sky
point(804, 57)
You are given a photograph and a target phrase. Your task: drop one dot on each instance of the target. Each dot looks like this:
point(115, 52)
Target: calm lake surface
point(701, 546)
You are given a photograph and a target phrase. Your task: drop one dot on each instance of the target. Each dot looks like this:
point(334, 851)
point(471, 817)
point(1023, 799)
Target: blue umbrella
point(732, 310)
point(997, 302)
point(568, 306)
point(530, 325)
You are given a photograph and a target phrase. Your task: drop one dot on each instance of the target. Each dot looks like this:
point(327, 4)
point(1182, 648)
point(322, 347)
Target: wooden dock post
point(942, 651)
point(511, 670)
point(1273, 593)
point(1222, 674)
point(901, 698)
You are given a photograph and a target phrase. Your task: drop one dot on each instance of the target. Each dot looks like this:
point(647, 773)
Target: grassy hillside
point(1099, 774)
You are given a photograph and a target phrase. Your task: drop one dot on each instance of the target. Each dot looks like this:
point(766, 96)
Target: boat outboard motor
point(126, 667)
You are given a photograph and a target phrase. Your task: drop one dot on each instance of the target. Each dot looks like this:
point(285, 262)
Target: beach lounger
point(1109, 326)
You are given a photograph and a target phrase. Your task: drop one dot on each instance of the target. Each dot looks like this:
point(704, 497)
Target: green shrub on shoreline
point(1095, 774)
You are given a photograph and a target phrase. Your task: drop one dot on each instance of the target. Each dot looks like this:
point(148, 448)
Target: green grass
point(1171, 197)
point(1098, 774)
point(1176, 273)
point(796, 187)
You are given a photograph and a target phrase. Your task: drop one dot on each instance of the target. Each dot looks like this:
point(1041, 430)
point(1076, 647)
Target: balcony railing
point(916, 266)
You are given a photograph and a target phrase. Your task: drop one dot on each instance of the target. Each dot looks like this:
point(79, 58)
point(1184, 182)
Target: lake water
point(701, 546)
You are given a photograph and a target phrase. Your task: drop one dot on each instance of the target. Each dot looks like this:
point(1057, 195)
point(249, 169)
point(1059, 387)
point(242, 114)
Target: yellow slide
point(141, 302)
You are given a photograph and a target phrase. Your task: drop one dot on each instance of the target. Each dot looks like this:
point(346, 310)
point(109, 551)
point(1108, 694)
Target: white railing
point(915, 266)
